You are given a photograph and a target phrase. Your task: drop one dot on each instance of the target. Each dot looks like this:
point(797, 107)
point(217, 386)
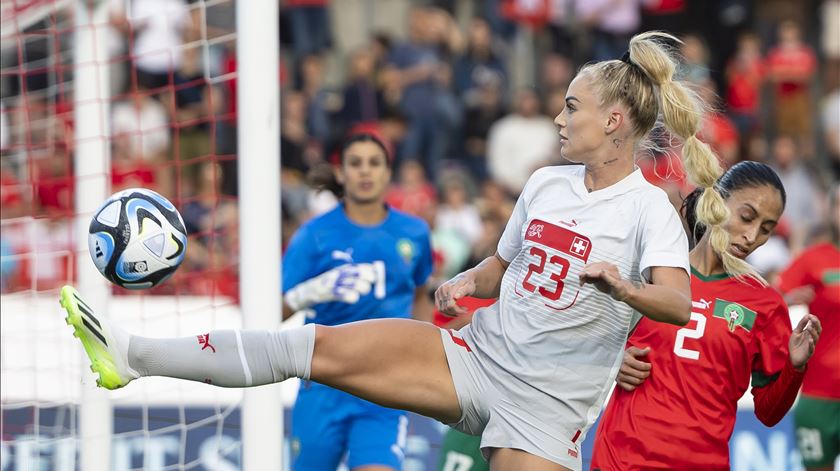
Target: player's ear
point(614, 119)
point(339, 174)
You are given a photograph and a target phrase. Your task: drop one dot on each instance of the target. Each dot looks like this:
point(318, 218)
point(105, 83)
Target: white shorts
point(490, 407)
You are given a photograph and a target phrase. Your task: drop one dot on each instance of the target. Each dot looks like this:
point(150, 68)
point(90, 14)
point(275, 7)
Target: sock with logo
point(228, 358)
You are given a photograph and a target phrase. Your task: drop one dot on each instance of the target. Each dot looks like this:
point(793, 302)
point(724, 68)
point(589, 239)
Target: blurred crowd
point(466, 90)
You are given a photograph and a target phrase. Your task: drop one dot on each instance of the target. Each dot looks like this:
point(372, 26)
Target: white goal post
point(258, 123)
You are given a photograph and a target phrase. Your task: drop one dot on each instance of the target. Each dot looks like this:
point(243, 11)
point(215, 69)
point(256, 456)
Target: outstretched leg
point(397, 363)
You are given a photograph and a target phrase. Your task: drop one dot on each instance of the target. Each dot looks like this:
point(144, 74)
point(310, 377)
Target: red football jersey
point(682, 416)
point(819, 267)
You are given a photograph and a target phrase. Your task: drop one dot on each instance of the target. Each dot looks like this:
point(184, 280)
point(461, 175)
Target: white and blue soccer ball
point(137, 239)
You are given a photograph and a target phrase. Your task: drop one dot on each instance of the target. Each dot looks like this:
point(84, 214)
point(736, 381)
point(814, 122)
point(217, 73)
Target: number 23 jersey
point(553, 340)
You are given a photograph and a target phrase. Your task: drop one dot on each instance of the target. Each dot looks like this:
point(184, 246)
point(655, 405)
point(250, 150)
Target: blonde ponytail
point(646, 86)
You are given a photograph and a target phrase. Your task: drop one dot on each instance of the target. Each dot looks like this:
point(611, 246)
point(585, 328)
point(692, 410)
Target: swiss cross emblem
point(579, 246)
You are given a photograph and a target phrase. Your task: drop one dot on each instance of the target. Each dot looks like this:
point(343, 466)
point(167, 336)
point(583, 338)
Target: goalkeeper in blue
point(362, 260)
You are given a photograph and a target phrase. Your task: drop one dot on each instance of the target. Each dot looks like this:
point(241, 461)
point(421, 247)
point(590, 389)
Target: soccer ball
point(137, 239)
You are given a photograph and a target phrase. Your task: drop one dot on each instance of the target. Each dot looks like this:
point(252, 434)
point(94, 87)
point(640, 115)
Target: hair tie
point(626, 57)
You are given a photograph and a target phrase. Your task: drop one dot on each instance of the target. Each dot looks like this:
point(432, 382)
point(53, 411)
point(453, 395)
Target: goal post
point(92, 168)
point(258, 123)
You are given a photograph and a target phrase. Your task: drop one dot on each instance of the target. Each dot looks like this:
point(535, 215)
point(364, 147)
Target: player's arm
point(667, 298)
point(774, 396)
point(482, 281)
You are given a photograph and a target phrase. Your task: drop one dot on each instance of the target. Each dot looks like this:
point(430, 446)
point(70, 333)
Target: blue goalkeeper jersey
point(399, 249)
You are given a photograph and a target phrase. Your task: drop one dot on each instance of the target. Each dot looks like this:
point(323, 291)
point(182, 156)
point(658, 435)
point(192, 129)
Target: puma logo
point(204, 342)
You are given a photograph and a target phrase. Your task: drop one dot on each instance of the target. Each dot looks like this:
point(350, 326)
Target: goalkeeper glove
point(345, 283)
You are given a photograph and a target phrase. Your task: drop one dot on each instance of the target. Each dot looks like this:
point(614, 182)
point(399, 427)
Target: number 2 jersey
point(681, 417)
point(556, 346)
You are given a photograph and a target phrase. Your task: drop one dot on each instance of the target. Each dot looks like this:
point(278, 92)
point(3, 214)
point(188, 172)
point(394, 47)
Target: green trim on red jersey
point(734, 314)
point(831, 277)
point(759, 379)
point(702, 277)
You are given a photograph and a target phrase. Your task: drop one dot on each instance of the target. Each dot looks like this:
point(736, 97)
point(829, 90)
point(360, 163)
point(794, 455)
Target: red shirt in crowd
point(797, 63)
point(418, 201)
point(137, 173)
point(663, 7)
point(744, 88)
point(682, 415)
point(722, 136)
point(819, 267)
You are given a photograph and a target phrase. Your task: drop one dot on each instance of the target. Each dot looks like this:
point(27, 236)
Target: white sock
point(229, 358)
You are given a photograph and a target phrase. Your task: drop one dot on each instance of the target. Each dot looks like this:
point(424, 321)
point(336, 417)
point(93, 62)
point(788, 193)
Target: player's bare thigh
point(507, 459)
point(397, 363)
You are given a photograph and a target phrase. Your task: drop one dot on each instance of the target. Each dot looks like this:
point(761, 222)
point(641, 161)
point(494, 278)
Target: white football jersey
point(559, 343)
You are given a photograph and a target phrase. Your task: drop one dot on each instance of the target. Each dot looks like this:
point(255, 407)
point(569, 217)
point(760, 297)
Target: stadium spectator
point(211, 220)
point(492, 227)
point(416, 63)
point(555, 73)
point(360, 97)
point(298, 152)
point(143, 123)
point(791, 67)
point(562, 27)
point(745, 77)
point(521, 142)
point(456, 211)
point(413, 193)
point(309, 25)
point(665, 15)
point(829, 13)
point(444, 34)
point(612, 23)
point(321, 104)
point(495, 201)
point(479, 118)
point(127, 171)
point(479, 65)
point(196, 103)
point(696, 64)
point(830, 123)
point(158, 28)
point(717, 129)
point(803, 193)
point(53, 181)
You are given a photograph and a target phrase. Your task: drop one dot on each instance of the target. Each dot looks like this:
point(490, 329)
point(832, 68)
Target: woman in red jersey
point(675, 408)
point(814, 279)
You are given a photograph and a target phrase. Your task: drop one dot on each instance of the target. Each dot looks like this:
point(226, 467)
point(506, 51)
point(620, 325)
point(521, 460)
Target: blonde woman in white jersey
point(588, 247)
